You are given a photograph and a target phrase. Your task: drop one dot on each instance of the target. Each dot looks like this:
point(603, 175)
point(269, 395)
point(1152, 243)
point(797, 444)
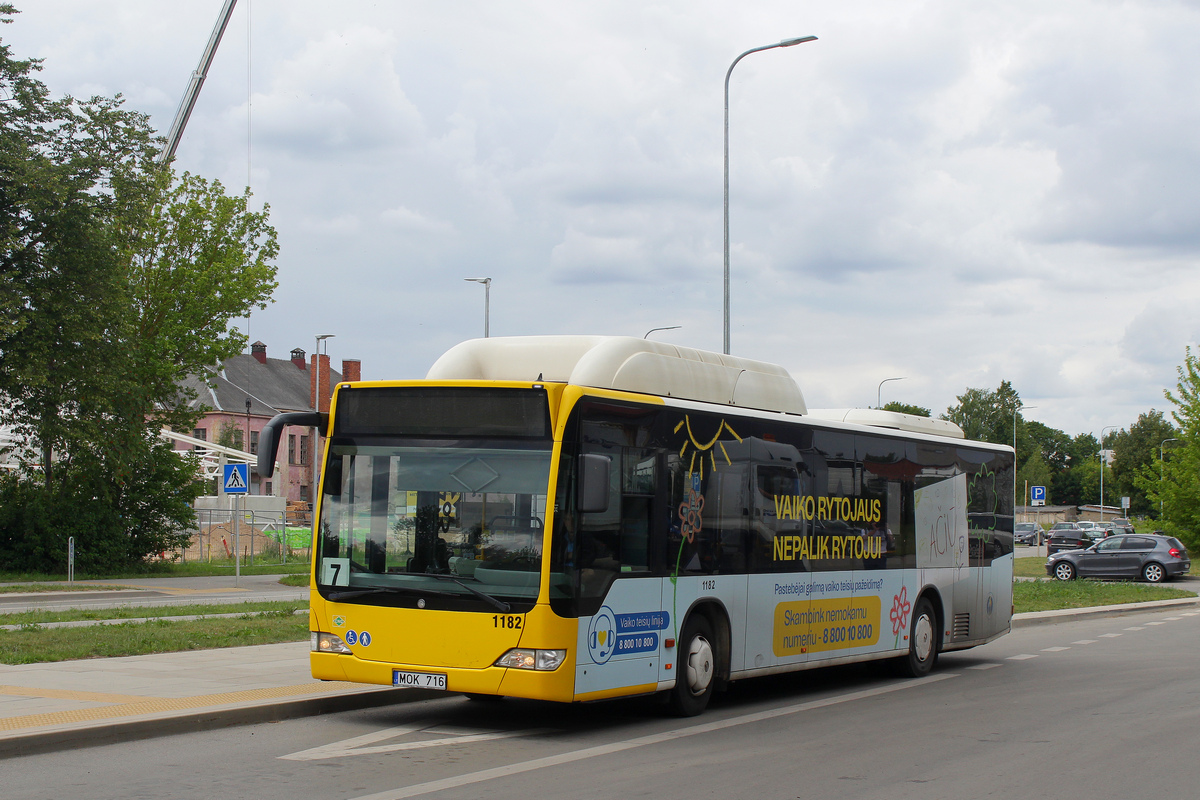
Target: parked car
point(1146, 556)
point(1067, 536)
point(1029, 533)
point(1122, 525)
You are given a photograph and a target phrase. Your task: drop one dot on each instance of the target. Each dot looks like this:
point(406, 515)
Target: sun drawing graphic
point(704, 451)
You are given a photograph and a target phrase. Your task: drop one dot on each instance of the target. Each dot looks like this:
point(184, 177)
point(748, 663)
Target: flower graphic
point(899, 613)
point(690, 514)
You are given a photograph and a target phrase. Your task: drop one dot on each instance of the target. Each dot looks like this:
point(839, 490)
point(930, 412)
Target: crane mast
point(194, 83)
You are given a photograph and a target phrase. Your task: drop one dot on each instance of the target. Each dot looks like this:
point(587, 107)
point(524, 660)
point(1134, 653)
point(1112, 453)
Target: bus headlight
point(544, 660)
point(327, 643)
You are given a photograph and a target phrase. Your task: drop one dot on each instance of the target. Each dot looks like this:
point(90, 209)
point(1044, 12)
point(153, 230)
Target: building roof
point(276, 386)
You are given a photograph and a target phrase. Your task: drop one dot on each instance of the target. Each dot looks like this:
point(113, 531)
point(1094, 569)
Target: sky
point(952, 193)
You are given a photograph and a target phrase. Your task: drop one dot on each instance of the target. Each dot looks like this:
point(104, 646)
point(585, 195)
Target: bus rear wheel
point(923, 641)
point(695, 670)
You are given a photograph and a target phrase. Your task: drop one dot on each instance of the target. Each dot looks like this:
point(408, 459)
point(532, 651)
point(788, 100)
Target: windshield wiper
point(352, 593)
point(487, 598)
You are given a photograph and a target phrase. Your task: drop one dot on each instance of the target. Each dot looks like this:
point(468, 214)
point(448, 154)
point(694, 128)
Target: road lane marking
point(1085, 641)
point(1054, 649)
point(358, 746)
point(1022, 657)
point(984, 666)
point(1156, 623)
point(1135, 628)
point(1174, 619)
point(642, 741)
point(1109, 635)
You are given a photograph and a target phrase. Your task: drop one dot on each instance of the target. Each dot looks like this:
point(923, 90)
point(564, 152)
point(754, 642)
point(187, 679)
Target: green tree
point(200, 260)
point(1177, 485)
point(905, 408)
point(1134, 450)
point(230, 435)
point(117, 282)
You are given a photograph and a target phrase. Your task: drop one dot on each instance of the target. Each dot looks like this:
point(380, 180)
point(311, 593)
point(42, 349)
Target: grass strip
point(37, 617)
point(22, 588)
point(1053, 595)
point(37, 645)
point(1030, 567)
point(295, 580)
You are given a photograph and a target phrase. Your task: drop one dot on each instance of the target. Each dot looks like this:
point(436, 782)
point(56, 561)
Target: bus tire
point(696, 668)
point(923, 641)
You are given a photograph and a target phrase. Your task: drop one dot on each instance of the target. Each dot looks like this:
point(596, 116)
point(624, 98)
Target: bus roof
point(624, 363)
point(878, 418)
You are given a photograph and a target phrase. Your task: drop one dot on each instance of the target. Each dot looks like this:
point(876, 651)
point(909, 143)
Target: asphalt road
point(159, 592)
point(1099, 708)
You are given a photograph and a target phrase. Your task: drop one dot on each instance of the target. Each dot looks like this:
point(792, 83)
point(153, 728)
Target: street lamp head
point(484, 281)
point(325, 336)
point(799, 40)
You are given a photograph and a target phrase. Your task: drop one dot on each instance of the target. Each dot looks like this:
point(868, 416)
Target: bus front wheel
point(695, 670)
point(922, 641)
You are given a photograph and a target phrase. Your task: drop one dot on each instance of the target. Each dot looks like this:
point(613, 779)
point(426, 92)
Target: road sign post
point(236, 481)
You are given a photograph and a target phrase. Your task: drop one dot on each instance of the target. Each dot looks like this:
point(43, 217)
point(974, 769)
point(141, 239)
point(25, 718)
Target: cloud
point(408, 220)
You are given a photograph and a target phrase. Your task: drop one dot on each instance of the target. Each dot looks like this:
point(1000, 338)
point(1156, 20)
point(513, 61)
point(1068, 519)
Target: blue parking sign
point(1038, 495)
point(237, 479)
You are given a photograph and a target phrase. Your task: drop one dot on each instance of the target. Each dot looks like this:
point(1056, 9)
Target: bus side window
point(777, 492)
point(707, 531)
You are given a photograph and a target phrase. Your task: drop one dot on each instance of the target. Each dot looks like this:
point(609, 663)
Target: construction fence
point(261, 537)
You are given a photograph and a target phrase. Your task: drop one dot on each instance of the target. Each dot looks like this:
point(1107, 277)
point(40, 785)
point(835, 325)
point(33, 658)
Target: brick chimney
point(298, 358)
point(325, 383)
point(259, 351)
point(351, 369)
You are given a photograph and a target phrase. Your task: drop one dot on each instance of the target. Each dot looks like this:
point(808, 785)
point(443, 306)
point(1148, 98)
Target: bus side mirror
point(331, 481)
point(268, 439)
point(593, 483)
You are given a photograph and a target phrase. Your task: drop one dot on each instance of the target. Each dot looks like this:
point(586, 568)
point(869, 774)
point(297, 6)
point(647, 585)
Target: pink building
point(247, 390)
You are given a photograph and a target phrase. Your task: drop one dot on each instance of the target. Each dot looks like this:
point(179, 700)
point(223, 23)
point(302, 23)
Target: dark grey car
point(1146, 556)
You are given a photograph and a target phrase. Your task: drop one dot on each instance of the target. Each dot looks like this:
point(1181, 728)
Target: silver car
point(1029, 533)
point(1152, 558)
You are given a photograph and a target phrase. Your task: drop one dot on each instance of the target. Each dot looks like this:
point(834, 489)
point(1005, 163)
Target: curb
point(77, 736)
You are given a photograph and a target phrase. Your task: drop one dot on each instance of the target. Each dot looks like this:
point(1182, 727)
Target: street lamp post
point(879, 391)
point(784, 43)
point(1102, 430)
point(1015, 410)
point(1160, 474)
point(316, 472)
point(668, 328)
point(1025, 499)
point(487, 300)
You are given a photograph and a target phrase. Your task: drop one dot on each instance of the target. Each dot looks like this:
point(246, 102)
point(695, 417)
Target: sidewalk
point(66, 704)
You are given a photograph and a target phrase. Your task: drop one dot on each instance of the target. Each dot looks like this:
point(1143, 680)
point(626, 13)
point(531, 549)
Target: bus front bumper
point(556, 685)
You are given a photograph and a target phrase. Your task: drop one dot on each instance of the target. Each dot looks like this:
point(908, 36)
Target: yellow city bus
point(577, 518)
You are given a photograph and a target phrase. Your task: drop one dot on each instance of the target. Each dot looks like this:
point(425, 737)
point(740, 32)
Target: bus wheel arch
point(702, 659)
point(924, 637)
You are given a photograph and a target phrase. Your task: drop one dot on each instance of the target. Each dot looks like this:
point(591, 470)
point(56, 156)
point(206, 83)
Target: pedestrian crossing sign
point(237, 479)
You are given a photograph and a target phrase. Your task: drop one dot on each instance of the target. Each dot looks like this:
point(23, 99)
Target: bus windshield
point(452, 526)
